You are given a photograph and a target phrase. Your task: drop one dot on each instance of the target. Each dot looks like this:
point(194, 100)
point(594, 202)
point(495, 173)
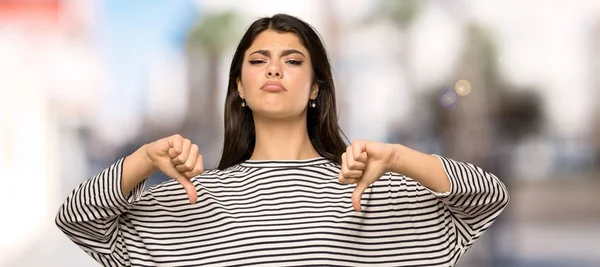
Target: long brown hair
point(322, 121)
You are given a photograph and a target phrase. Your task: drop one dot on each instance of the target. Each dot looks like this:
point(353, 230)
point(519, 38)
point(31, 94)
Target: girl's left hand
point(363, 163)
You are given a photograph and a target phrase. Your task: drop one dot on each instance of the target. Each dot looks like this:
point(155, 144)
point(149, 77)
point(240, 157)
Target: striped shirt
point(276, 213)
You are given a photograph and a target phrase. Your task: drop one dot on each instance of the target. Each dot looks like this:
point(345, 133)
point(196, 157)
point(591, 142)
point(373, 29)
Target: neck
point(282, 140)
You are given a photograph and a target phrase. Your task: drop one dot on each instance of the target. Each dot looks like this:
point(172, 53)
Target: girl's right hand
point(178, 158)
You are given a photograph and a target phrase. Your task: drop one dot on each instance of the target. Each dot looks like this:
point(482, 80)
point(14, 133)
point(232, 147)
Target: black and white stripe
point(282, 213)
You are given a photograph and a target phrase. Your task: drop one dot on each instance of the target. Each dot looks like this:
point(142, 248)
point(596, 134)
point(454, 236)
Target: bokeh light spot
point(462, 87)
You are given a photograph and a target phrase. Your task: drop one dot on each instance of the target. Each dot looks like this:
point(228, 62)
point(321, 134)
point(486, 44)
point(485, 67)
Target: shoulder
point(211, 174)
point(172, 189)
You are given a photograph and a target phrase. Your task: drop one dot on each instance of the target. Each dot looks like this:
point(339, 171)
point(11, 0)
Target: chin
point(278, 113)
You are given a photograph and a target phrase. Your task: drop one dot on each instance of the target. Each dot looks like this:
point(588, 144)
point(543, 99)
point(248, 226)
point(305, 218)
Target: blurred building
point(83, 83)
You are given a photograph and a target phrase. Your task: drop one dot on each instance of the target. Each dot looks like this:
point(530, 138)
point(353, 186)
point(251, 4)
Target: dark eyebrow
point(287, 52)
point(291, 51)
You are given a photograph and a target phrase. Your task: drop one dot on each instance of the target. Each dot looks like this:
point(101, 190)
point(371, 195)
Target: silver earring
point(243, 103)
point(313, 103)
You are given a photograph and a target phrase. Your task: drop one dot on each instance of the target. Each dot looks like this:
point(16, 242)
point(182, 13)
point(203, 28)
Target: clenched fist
point(363, 163)
point(178, 158)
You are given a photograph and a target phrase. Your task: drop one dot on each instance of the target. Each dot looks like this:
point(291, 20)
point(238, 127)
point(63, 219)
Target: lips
point(273, 86)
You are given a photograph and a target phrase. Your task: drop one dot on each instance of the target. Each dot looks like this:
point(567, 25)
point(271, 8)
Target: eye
point(294, 62)
point(256, 62)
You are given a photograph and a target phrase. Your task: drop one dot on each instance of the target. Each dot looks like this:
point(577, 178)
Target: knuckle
point(357, 142)
point(189, 166)
point(198, 167)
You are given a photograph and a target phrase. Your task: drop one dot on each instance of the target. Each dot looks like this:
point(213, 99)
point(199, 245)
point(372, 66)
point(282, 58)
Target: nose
point(274, 71)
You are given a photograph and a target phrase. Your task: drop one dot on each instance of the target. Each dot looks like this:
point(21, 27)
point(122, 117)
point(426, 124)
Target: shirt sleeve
point(90, 215)
point(476, 198)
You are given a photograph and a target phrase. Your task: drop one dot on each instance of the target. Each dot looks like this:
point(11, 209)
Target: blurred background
point(508, 85)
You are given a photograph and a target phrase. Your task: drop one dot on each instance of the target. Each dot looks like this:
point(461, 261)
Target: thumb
point(357, 194)
point(190, 189)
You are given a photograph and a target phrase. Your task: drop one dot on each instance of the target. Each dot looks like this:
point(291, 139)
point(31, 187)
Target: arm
point(474, 197)
point(136, 168)
point(423, 168)
point(90, 215)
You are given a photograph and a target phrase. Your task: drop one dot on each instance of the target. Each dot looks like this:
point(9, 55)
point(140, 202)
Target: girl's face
point(277, 76)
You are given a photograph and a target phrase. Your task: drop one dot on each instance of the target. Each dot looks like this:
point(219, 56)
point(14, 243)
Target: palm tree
point(206, 43)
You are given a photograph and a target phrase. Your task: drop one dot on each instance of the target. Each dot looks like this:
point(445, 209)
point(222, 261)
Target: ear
point(240, 88)
point(314, 91)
